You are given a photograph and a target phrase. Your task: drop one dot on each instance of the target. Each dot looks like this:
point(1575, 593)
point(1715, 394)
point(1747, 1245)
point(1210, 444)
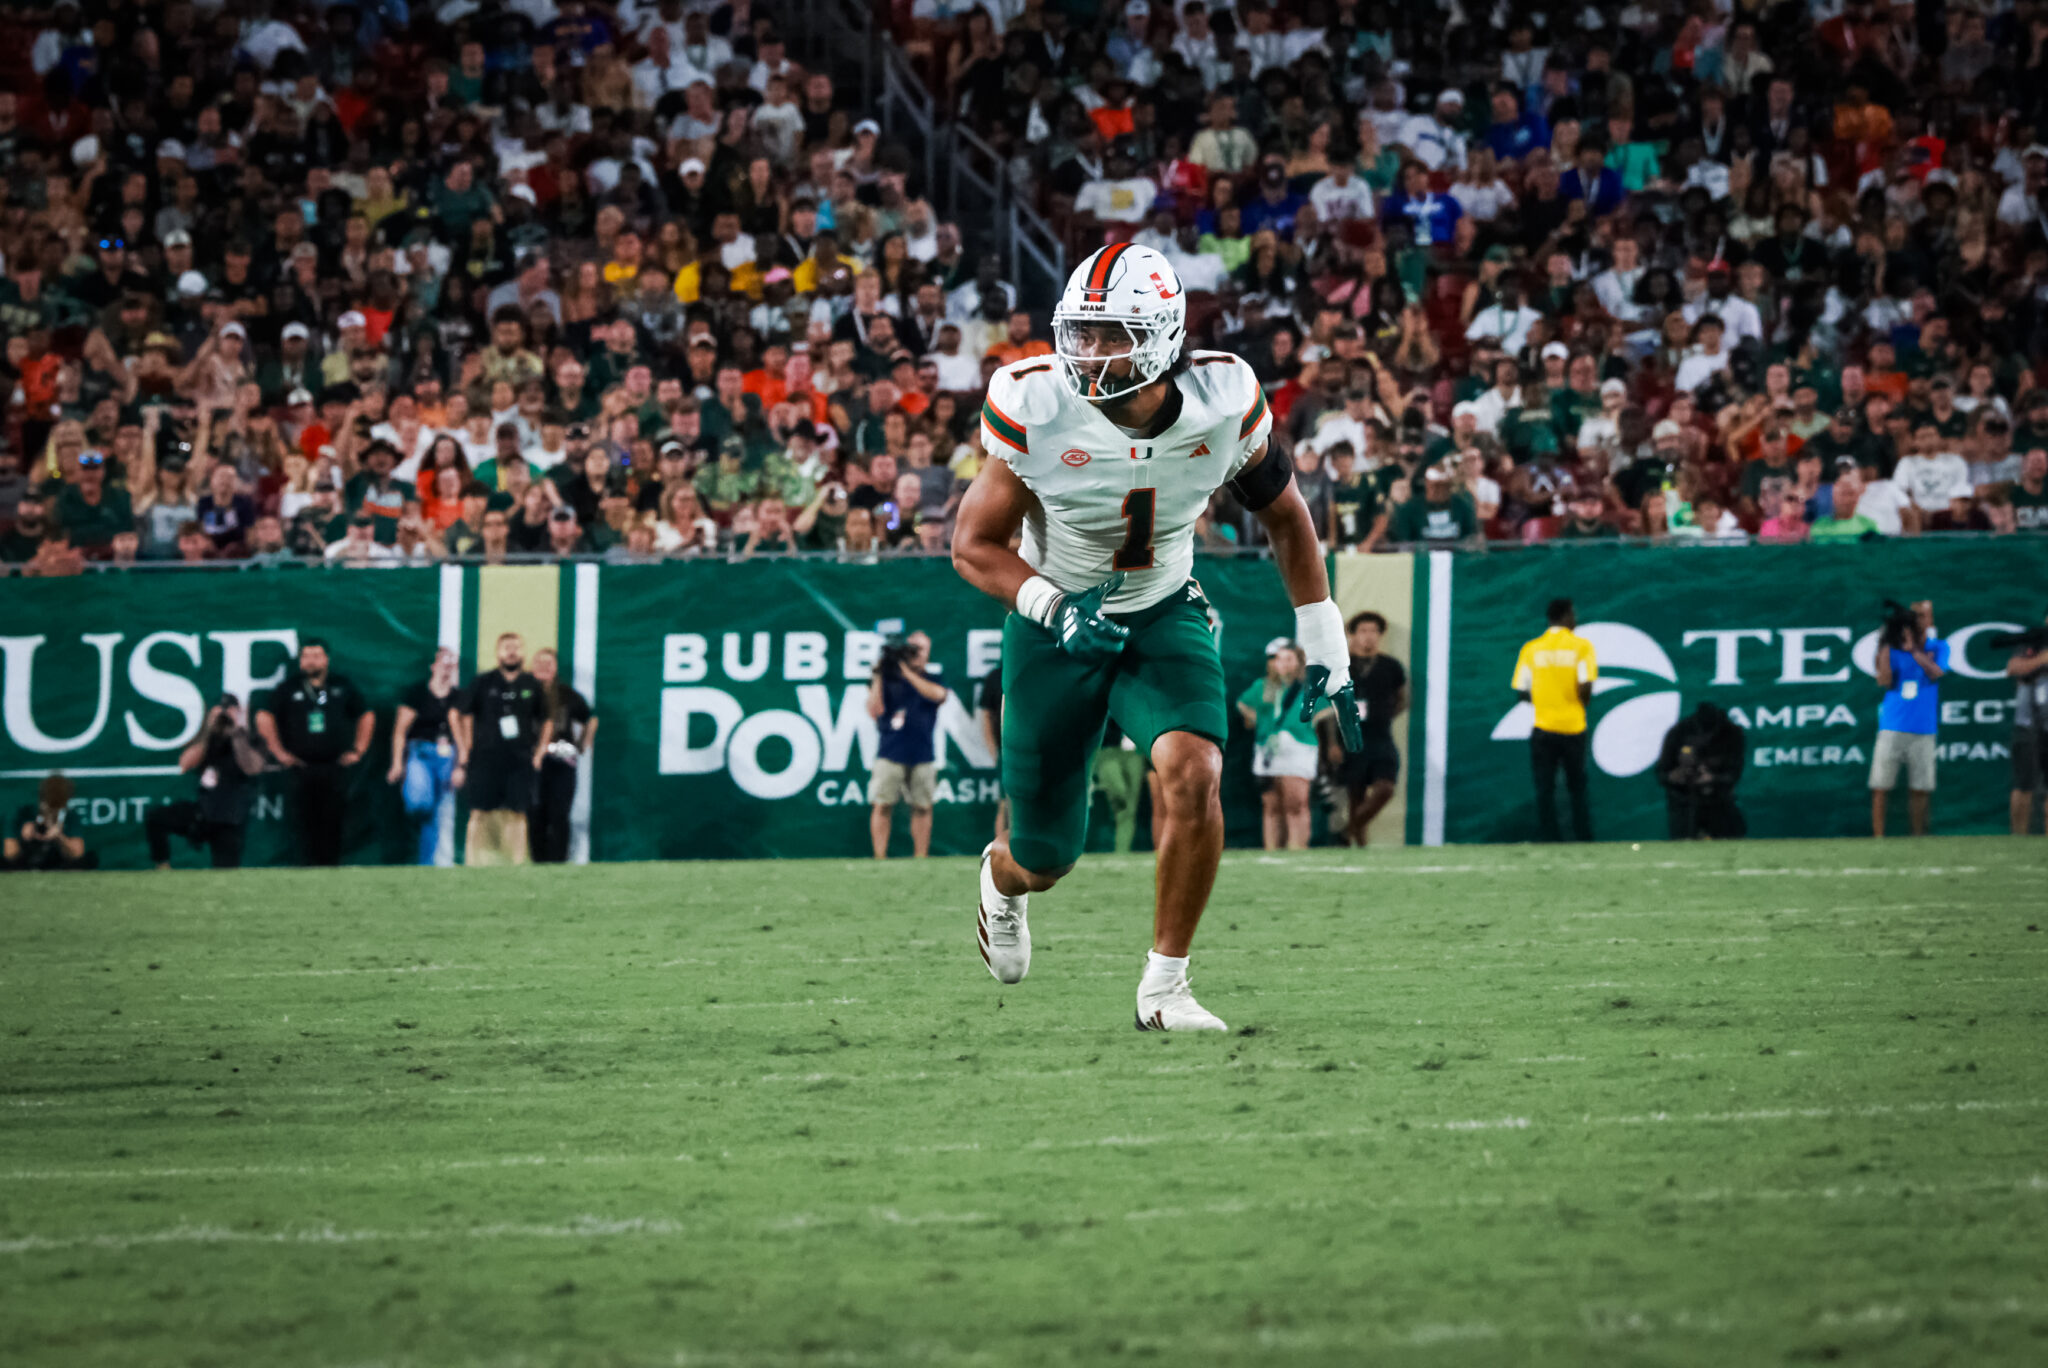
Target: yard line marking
point(331, 973)
point(595, 1227)
point(1548, 866)
point(578, 1228)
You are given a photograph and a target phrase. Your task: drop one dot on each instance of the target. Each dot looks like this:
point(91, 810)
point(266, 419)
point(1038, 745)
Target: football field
point(1772, 1102)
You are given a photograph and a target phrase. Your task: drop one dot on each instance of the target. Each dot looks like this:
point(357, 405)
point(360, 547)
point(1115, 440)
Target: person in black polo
point(572, 732)
point(217, 817)
point(317, 725)
point(1381, 685)
point(506, 730)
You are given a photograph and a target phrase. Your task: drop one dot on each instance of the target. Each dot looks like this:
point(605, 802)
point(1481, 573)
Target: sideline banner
point(1783, 637)
point(734, 699)
point(108, 676)
point(731, 696)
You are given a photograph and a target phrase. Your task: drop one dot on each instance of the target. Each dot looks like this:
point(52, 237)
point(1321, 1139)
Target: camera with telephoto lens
point(895, 635)
point(2031, 640)
point(1900, 622)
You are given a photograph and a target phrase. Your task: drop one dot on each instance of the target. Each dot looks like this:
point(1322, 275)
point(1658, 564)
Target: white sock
point(999, 900)
point(1162, 970)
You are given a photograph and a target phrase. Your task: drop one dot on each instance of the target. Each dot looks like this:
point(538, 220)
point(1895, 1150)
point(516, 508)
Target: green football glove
point(1342, 699)
point(1080, 628)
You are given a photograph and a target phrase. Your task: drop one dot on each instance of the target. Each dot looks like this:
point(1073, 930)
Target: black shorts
point(1380, 760)
point(500, 781)
point(2027, 758)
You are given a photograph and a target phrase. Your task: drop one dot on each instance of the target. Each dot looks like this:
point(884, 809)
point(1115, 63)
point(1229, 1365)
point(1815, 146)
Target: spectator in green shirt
point(1846, 524)
point(1441, 515)
point(1635, 162)
point(90, 509)
point(458, 201)
point(727, 484)
point(1228, 243)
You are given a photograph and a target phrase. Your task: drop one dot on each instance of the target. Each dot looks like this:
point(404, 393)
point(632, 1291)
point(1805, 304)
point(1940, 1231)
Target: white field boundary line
point(336, 973)
point(1597, 1323)
point(1535, 866)
point(515, 1162)
point(288, 1095)
point(587, 1227)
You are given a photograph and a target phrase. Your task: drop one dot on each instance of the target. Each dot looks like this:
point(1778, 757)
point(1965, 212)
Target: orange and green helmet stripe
point(1098, 275)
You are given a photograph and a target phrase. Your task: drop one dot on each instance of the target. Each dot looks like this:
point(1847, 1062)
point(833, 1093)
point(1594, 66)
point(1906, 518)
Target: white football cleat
point(1000, 929)
point(1173, 1008)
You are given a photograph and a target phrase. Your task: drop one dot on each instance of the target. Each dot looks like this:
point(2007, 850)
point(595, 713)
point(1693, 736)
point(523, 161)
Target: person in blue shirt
point(1433, 217)
point(904, 697)
point(1910, 667)
point(1515, 132)
point(1276, 206)
point(1593, 181)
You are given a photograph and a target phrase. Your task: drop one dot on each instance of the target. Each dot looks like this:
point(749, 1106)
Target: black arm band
point(1258, 487)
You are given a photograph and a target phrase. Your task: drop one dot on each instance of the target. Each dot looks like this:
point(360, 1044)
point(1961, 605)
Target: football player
point(1104, 455)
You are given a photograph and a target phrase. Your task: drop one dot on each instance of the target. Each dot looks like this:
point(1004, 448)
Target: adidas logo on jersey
point(1202, 450)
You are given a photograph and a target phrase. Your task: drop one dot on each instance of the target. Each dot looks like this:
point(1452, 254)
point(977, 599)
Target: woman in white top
point(1980, 390)
point(1480, 192)
point(683, 529)
point(1707, 357)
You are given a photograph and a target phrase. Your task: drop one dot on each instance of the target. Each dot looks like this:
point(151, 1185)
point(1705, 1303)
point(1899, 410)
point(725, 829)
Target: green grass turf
point(1738, 1104)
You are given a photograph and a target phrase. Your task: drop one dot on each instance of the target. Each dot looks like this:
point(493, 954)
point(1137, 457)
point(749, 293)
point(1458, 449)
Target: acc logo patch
point(1076, 457)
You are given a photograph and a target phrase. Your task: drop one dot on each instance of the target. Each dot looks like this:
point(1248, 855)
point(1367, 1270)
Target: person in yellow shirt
point(1555, 674)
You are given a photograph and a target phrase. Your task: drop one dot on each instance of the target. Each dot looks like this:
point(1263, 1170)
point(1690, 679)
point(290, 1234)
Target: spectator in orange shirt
point(769, 382)
point(1113, 117)
point(798, 387)
point(916, 397)
point(1018, 343)
point(1881, 374)
point(1864, 127)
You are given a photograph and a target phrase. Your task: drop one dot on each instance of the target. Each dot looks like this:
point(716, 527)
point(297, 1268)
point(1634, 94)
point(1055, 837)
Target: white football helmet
point(1124, 301)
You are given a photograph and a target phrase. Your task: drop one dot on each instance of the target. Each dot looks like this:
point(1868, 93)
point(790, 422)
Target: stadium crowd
point(380, 285)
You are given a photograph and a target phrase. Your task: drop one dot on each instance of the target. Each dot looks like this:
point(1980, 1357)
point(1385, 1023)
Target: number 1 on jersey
point(1136, 552)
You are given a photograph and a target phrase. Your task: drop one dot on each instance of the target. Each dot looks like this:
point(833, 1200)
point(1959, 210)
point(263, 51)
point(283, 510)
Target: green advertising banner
point(734, 704)
point(1783, 637)
point(108, 676)
point(732, 696)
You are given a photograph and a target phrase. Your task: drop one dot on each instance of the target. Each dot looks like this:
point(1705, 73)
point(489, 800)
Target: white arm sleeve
point(1319, 627)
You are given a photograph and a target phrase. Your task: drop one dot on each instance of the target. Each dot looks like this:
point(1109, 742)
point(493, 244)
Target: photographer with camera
point(904, 699)
point(37, 841)
point(1699, 767)
point(227, 760)
point(1911, 661)
point(2028, 669)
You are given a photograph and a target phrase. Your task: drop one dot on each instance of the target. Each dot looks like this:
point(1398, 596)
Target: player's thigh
point(1054, 707)
point(1170, 676)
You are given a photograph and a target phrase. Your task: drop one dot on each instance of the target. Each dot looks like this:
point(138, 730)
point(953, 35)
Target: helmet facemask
point(1105, 359)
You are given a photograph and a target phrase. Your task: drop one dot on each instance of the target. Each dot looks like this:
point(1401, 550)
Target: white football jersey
point(1108, 501)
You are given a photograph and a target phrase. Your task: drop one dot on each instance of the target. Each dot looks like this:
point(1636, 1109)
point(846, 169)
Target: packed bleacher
point(379, 285)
